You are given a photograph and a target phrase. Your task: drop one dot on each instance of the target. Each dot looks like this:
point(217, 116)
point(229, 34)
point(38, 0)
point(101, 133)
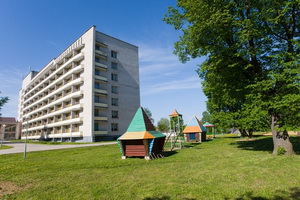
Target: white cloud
point(181, 84)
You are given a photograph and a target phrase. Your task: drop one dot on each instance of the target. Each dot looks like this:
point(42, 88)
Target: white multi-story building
point(88, 93)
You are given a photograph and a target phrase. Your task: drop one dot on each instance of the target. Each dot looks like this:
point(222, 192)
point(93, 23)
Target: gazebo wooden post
point(123, 149)
point(146, 145)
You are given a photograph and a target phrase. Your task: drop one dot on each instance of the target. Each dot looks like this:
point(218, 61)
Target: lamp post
point(2, 136)
point(25, 145)
point(45, 132)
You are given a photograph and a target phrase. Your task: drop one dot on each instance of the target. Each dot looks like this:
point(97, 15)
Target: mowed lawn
point(220, 169)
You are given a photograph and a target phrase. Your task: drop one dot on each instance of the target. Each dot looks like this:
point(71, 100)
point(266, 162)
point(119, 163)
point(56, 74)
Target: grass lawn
point(5, 147)
point(220, 169)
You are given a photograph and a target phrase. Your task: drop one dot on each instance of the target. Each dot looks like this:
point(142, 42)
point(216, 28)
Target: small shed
point(194, 131)
point(141, 139)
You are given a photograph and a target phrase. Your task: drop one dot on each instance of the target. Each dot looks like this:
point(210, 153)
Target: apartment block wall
point(127, 82)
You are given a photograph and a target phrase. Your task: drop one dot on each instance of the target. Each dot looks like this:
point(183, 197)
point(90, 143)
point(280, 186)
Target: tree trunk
point(243, 133)
point(250, 133)
point(280, 139)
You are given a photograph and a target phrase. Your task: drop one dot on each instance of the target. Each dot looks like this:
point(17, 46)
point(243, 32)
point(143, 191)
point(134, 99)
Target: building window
point(114, 89)
point(114, 127)
point(96, 127)
point(97, 99)
point(114, 65)
point(96, 113)
point(114, 114)
point(97, 86)
point(97, 59)
point(114, 102)
point(97, 72)
point(113, 54)
point(114, 77)
point(97, 47)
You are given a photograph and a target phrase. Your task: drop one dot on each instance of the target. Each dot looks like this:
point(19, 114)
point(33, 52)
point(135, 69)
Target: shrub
point(280, 150)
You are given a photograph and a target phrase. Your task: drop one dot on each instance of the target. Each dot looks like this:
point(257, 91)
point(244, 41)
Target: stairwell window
point(113, 54)
point(114, 127)
point(114, 102)
point(114, 89)
point(114, 114)
point(114, 77)
point(114, 65)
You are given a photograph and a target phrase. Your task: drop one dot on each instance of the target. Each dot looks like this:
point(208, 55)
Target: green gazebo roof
point(141, 128)
point(208, 124)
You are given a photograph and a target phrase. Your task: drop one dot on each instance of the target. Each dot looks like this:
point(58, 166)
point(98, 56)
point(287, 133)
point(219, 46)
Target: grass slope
point(5, 147)
point(218, 169)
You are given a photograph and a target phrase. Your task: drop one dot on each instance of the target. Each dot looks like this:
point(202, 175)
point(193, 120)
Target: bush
point(280, 150)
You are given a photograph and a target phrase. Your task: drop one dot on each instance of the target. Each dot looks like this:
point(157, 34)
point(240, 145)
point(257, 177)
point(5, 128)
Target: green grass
point(5, 147)
point(220, 169)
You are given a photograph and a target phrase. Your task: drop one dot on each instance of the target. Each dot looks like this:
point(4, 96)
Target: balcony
point(100, 91)
point(100, 132)
point(101, 105)
point(101, 65)
point(100, 118)
point(74, 82)
point(73, 59)
point(101, 52)
point(101, 78)
point(77, 69)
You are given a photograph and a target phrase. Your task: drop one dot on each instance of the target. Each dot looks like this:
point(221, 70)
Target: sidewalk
point(19, 147)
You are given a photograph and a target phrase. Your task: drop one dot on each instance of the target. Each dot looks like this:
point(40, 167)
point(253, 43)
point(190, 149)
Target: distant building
point(90, 92)
point(10, 127)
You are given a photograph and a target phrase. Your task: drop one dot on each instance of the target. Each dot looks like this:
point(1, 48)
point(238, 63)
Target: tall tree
point(163, 125)
point(206, 117)
point(3, 100)
point(149, 113)
point(252, 74)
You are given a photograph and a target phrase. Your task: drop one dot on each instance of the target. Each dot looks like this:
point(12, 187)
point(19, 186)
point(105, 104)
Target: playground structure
point(141, 139)
point(176, 126)
point(210, 130)
point(194, 131)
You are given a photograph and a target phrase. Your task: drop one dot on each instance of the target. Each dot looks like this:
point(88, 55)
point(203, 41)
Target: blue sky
point(33, 32)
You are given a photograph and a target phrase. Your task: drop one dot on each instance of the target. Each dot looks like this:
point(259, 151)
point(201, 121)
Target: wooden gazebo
point(141, 139)
point(210, 129)
point(194, 131)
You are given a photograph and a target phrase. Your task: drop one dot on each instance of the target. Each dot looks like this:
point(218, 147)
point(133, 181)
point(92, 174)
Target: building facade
point(9, 128)
point(88, 93)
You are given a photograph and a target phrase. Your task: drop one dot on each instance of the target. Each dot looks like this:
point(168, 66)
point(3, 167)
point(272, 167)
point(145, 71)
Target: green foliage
point(206, 117)
point(176, 124)
point(252, 71)
point(3, 100)
point(163, 125)
point(280, 150)
point(99, 173)
point(149, 113)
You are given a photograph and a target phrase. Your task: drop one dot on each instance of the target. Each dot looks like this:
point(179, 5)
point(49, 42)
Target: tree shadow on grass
point(296, 144)
point(191, 144)
point(265, 144)
point(292, 194)
point(164, 198)
point(169, 153)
